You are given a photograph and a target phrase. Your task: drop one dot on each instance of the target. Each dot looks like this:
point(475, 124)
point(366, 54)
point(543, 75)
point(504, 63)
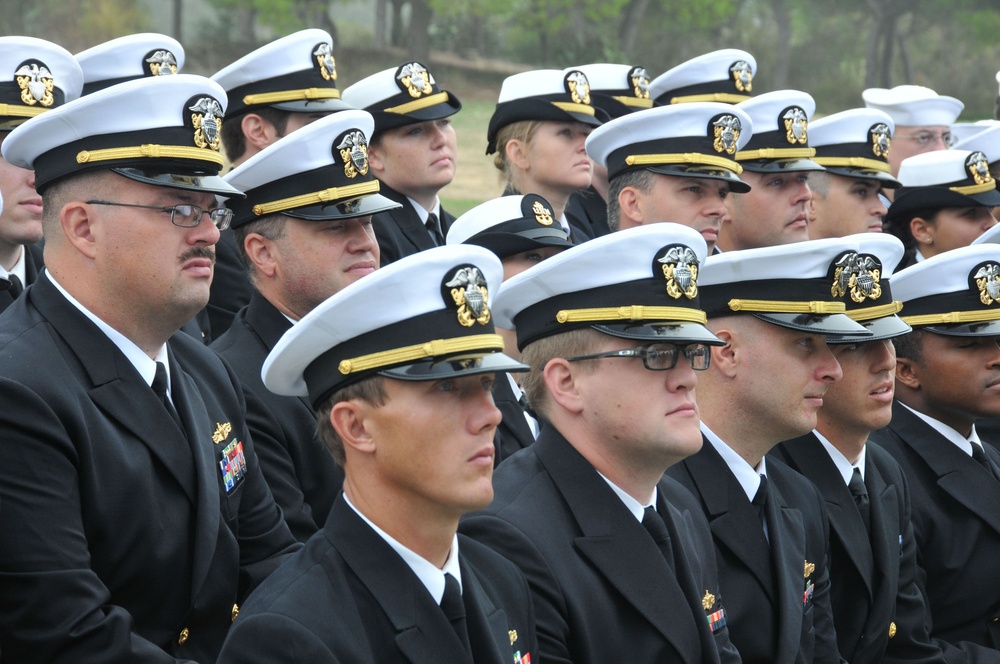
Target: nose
point(205, 232)
point(682, 376)
point(878, 207)
point(828, 369)
point(886, 356)
point(801, 193)
point(487, 416)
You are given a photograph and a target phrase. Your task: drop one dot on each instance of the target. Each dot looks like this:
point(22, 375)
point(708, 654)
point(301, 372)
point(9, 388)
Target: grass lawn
point(477, 179)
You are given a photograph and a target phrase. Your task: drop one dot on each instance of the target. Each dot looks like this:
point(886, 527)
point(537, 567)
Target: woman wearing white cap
point(538, 130)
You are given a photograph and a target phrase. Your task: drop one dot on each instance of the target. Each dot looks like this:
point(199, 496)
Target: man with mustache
point(774, 310)
point(300, 246)
point(21, 97)
point(947, 377)
point(135, 516)
point(878, 608)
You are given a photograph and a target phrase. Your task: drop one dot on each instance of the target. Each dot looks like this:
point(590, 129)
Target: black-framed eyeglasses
point(659, 356)
point(183, 215)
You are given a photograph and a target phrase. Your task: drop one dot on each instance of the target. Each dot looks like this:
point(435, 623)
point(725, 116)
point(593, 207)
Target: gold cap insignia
point(222, 432)
point(708, 601)
point(742, 75)
point(324, 58)
point(639, 78)
point(543, 215)
point(468, 290)
point(796, 125)
point(354, 153)
point(207, 121)
point(987, 278)
point(857, 275)
point(809, 569)
point(726, 133)
point(579, 87)
point(416, 79)
point(162, 63)
point(680, 267)
point(979, 168)
point(36, 84)
point(881, 140)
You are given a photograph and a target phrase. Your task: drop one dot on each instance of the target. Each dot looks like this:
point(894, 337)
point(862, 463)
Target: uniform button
point(236, 611)
point(183, 637)
point(892, 629)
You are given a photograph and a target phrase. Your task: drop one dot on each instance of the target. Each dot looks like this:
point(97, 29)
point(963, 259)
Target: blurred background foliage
point(833, 50)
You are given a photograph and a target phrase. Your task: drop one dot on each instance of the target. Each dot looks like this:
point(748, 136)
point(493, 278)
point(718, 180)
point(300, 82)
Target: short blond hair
point(523, 131)
point(537, 354)
point(370, 390)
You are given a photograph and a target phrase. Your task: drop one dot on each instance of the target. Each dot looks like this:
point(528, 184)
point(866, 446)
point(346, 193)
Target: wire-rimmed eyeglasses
point(659, 356)
point(183, 215)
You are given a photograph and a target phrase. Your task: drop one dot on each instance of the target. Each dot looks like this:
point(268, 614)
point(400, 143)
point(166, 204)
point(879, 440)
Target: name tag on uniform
point(233, 465)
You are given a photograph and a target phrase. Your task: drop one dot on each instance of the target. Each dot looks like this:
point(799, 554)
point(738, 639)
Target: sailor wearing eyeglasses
point(774, 310)
point(923, 119)
point(135, 516)
point(619, 559)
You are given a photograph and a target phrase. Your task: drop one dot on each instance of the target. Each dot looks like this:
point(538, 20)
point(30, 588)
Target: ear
point(908, 373)
point(922, 230)
point(517, 154)
point(349, 420)
point(80, 227)
point(628, 204)
point(726, 359)
point(259, 250)
point(562, 386)
point(257, 131)
point(375, 161)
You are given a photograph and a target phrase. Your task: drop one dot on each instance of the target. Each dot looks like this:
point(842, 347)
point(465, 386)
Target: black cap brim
point(912, 199)
point(384, 120)
point(509, 244)
point(312, 106)
point(674, 333)
point(830, 324)
point(212, 184)
point(886, 327)
point(982, 329)
point(884, 179)
point(349, 209)
point(780, 165)
point(455, 367)
point(736, 185)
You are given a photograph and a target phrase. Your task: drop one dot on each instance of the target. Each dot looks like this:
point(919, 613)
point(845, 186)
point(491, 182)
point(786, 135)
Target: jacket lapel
point(408, 221)
point(115, 385)
point(810, 458)
point(733, 521)
point(618, 546)
point(787, 536)
point(958, 474)
point(423, 633)
point(487, 624)
point(885, 537)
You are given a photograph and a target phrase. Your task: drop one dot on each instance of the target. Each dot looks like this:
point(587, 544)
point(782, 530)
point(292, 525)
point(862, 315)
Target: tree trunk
point(783, 21)
point(418, 35)
point(381, 18)
point(178, 19)
point(398, 30)
point(629, 28)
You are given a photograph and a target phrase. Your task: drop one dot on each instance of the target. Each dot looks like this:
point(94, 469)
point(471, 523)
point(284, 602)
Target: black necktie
point(860, 494)
point(160, 388)
point(434, 228)
point(760, 500)
point(979, 454)
point(653, 523)
point(454, 610)
point(15, 286)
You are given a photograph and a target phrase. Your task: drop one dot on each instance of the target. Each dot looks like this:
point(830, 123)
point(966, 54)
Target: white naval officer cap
point(942, 179)
point(35, 76)
point(790, 285)
point(861, 280)
point(296, 73)
point(985, 140)
point(913, 105)
point(687, 140)
point(954, 293)
point(558, 95)
point(422, 318)
point(780, 141)
point(618, 89)
point(316, 173)
point(129, 57)
point(963, 131)
point(509, 225)
point(641, 283)
point(855, 143)
point(160, 132)
point(723, 76)
point(401, 96)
